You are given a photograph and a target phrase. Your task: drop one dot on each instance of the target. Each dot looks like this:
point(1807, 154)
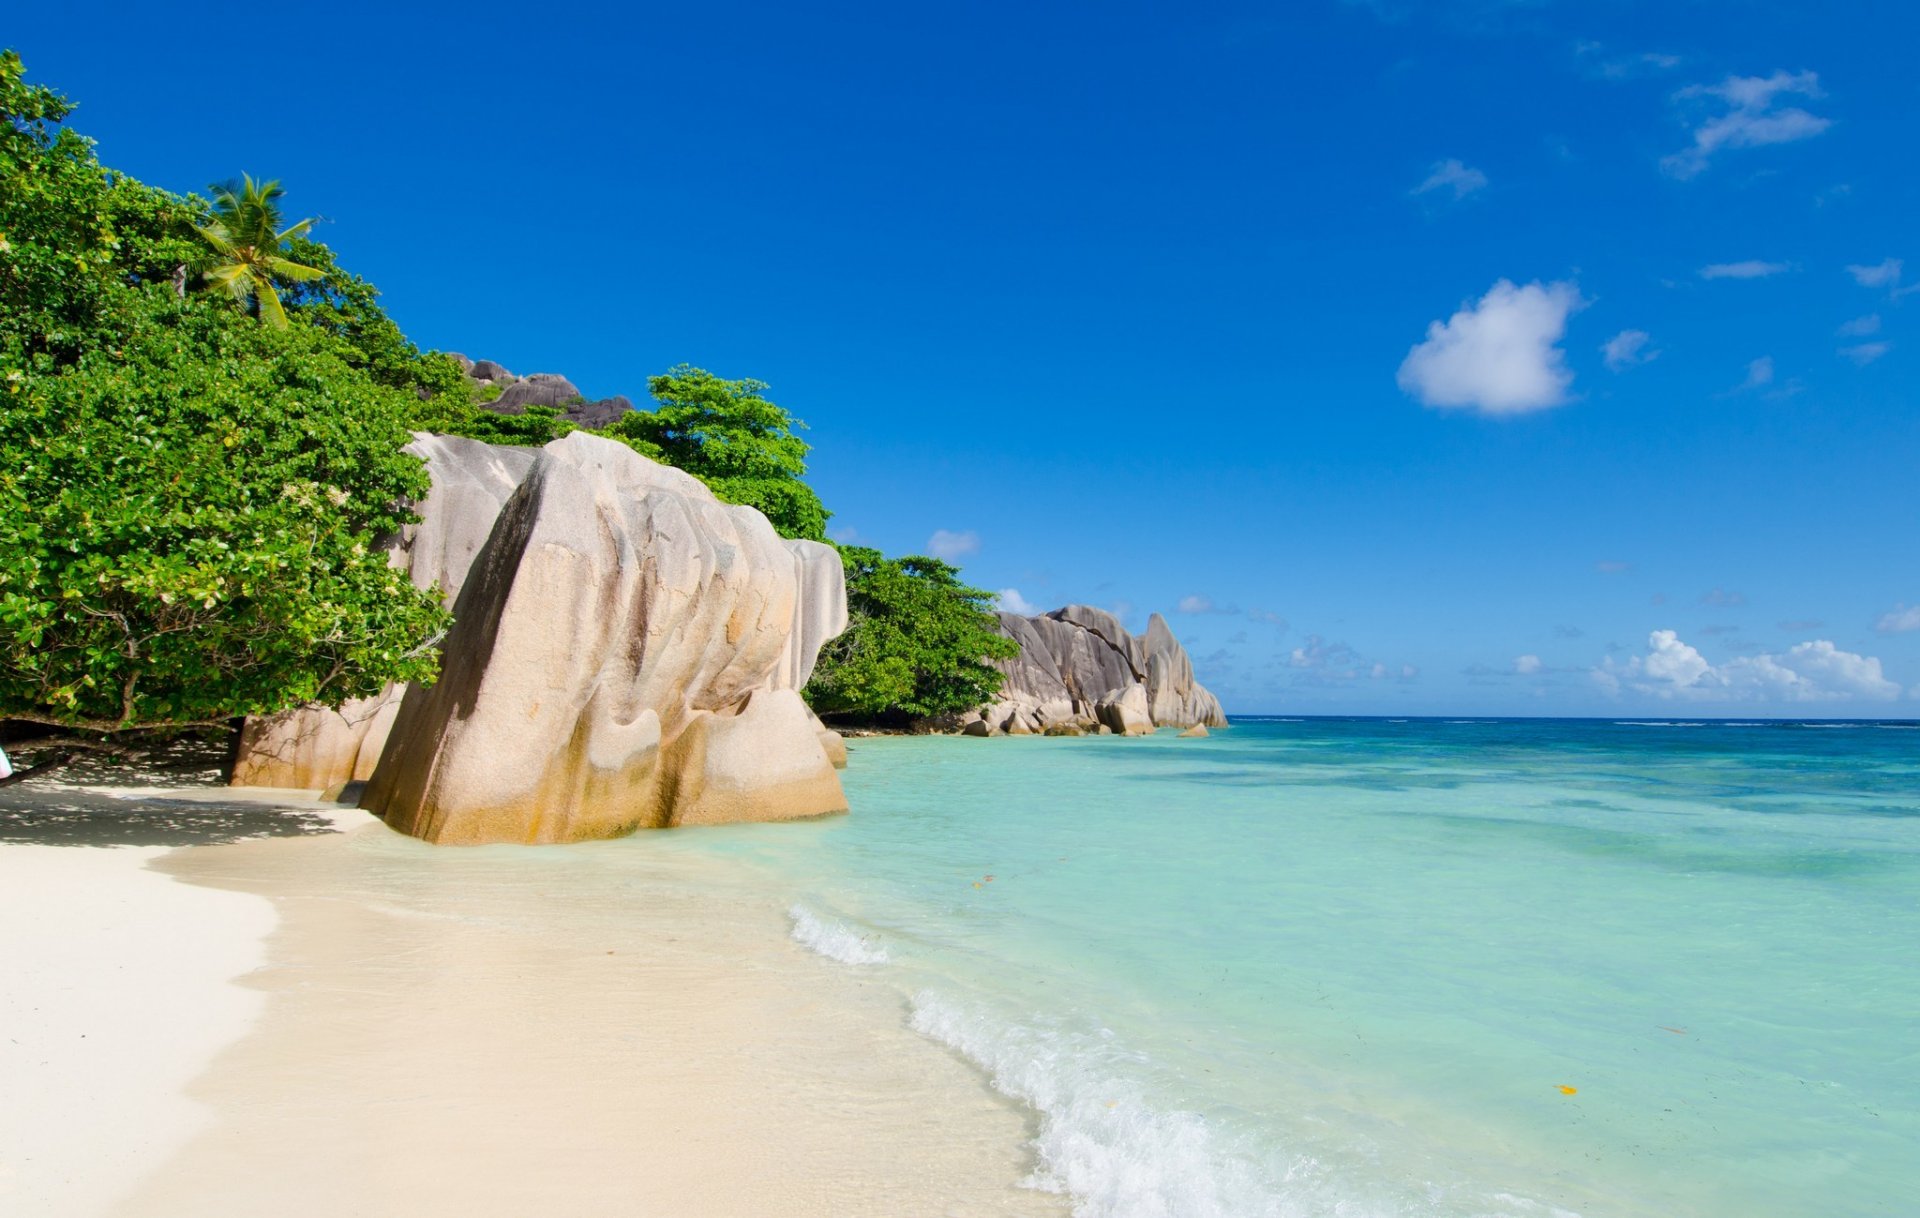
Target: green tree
point(190, 529)
point(732, 438)
point(192, 504)
point(918, 643)
point(250, 246)
point(73, 237)
point(348, 307)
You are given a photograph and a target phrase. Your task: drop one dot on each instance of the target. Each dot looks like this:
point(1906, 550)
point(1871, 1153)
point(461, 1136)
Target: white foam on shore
point(833, 940)
point(115, 994)
point(1099, 1138)
point(1118, 1154)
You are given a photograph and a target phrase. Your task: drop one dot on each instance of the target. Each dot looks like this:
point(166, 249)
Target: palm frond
point(236, 278)
point(270, 310)
point(287, 269)
point(216, 235)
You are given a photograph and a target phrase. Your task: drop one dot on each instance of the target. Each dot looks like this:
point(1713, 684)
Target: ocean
point(1373, 967)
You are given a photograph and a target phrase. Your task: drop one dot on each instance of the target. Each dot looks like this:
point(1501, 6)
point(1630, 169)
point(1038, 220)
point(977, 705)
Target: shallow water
point(1362, 967)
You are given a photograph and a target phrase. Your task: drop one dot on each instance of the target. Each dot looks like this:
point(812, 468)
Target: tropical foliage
point(727, 434)
point(192, 501)
point(249, 245)
point(918, 643)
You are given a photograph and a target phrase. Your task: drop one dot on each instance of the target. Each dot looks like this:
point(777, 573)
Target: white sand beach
point(356, 1023)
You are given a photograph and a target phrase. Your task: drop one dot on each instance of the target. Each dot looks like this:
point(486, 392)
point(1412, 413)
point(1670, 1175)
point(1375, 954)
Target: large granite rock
point(550, 389)
point(1079, 667)
point(1125, 711)
point(488, 371)
point(317, 748)
point(627, 653)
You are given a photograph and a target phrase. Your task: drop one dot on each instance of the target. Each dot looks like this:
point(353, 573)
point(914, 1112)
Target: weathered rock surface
point(1079, 666)
point(834, 745)
point(1125, 711)
point(627, 654)
point(550, 389)
point(1195, 732)
point(315, 747)
point(540, 389)
point(487, 370)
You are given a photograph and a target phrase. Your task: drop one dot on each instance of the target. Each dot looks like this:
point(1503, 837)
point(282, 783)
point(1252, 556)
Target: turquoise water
point(1348, 967)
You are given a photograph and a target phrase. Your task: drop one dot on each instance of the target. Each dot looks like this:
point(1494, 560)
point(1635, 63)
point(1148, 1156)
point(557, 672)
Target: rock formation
point(543, 389)
point(319, 748)
point(627, 653)
point(1078, 667)
point(547, 389)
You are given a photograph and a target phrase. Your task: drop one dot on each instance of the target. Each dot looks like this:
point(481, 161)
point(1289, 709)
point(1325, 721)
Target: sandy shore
point(358, 1024)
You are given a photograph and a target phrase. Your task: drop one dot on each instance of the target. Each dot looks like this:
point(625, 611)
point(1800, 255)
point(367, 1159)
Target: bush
point(918, 643)
point(192, 503)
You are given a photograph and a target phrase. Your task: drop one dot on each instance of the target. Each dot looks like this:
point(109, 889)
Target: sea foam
point(834, 940)
point(1099, 1139)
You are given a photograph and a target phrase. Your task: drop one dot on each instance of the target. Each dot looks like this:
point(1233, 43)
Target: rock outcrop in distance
point(627, 652)
point(543, 389)
point(1080, 671)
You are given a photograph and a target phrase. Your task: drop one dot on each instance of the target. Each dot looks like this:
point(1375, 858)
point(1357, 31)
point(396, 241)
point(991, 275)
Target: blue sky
point(1317, 319)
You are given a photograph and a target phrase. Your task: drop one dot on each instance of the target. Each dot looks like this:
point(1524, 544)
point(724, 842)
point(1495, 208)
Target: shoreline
point(494, 1030)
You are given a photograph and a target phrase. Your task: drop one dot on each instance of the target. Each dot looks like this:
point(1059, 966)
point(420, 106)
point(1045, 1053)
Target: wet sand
point(586, 1030)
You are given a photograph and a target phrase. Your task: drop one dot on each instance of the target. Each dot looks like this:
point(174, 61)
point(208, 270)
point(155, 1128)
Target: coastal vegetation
point(192, 499)
point(917, 645)
point(204, 414)
point(728, 435)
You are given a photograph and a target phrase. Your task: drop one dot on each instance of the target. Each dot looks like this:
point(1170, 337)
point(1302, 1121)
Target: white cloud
point(1626, 67)
point(1204, 604)
point(1628, 349)
point(1498, 355)
point(1814, 671)
point(1526, 665)
point(1316, 652)
point(1009, 600)
point(1752, 268)
point(1899, 620)
point(1863, 354)
point(1751, 117)
point(1860, 327)
point(1268, 616)
point(1759, 373)
point(1453, 175)
point(950, 545)
point(846, 534)
point(1880, 275)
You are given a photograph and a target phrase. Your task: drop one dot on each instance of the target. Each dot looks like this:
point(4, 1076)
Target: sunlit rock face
point(627, 653)
point(317, 747)
point(1079, 668)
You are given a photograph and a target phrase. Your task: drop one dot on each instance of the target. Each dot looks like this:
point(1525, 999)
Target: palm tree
point(245, 232)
